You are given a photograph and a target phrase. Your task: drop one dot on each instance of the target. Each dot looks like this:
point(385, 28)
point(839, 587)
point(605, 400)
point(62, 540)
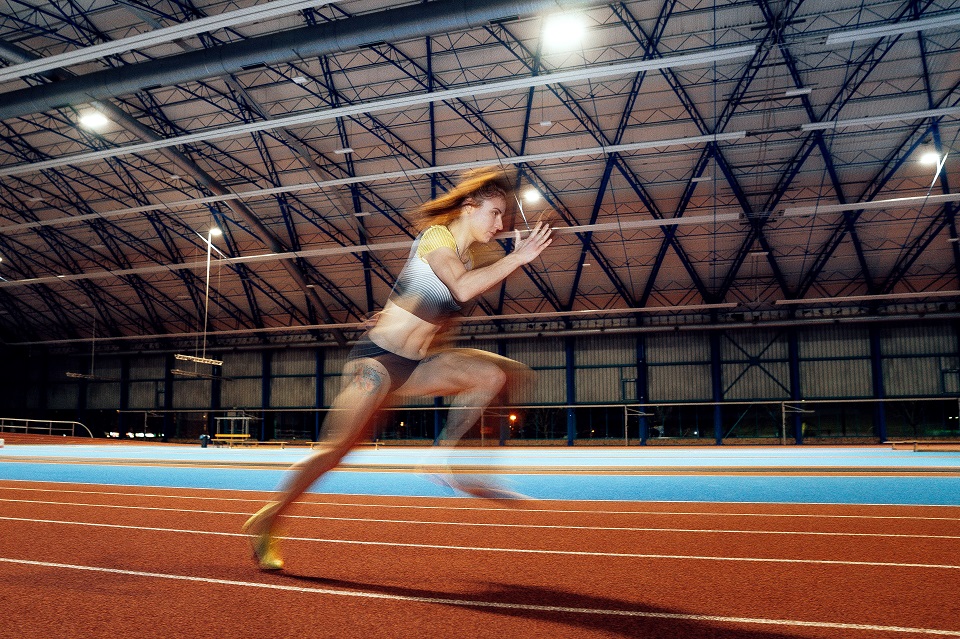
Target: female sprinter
point(398, 356)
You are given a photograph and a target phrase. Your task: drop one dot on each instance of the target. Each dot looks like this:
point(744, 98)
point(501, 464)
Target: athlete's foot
point(484, 489)
point(262, 540)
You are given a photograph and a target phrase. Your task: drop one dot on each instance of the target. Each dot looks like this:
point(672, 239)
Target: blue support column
point(43, 402)
point(125, 397)
point(716, 382)
point(793, 349)
point(571, 390)
point(266, 379)
point(321, 359)
point(82, 391)
point(216, 395)
point(503, 425)
point(437, 425)
point(643, 388)
point(879, 390)
point(168, 396)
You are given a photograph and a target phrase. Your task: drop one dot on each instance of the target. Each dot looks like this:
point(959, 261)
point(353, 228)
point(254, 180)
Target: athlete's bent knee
point(489, 377)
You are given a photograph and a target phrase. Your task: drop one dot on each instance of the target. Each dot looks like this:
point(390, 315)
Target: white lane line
point(519, 510)
point(529, 551)
point(428, 522)
point(470, 603)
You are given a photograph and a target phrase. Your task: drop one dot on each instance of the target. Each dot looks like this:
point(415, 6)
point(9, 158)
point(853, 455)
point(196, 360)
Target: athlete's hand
point(530, 247)
point(371, 321)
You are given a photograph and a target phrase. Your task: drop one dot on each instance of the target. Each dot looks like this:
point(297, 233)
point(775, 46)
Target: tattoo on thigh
point(368, 379)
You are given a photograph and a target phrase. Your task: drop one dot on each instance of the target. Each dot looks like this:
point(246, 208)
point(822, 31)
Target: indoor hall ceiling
point(705, 163)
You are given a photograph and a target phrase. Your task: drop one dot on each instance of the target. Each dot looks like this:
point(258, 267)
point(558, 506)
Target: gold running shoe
point(262, 540)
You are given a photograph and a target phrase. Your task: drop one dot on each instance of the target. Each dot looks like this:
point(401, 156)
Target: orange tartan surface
point(99, 561)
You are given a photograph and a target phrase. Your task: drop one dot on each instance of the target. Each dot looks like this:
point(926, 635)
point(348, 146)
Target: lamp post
point(214, 231)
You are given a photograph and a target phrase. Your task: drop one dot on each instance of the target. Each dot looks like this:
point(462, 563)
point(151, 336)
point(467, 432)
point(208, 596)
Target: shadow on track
point(678, 624)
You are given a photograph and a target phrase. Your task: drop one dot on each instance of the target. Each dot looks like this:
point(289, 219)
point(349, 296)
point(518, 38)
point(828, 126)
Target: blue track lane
point(873, 475)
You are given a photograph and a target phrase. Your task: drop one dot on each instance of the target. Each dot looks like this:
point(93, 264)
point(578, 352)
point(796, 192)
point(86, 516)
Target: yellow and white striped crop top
point(418, 289)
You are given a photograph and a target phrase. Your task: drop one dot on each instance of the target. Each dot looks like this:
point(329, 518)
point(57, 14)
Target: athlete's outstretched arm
point(466, 284)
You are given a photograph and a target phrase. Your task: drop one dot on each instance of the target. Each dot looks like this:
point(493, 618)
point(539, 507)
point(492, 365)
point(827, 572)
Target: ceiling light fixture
point(897, 28)
point(198, 360)
point(159, 36)
point(93, 120)
point(868, 298)
point(881, 119)
point(894, 203)
point(930, 158)
point(563, 32)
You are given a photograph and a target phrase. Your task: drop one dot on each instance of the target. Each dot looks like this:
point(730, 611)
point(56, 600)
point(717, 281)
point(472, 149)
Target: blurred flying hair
point(474, 185)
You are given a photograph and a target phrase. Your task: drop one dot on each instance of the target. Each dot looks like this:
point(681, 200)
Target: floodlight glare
point(531, 196)
point(930, 158)
point(93, 120)
point(563, 31)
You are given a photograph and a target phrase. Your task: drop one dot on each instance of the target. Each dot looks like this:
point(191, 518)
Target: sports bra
point(418, 289)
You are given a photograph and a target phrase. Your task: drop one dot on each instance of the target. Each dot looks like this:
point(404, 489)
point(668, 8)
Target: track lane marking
point(534, 510)
point(494, 525)
point(530, 551)
point(470, 603)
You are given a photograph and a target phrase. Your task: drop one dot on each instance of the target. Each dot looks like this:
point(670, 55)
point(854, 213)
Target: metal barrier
point(783, 422)
point(40, 426)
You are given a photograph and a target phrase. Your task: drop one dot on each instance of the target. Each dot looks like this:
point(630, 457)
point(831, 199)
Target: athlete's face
point(487, 218)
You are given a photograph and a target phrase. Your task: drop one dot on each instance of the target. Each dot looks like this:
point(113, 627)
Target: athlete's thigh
point(449, 372)
point(365, 375)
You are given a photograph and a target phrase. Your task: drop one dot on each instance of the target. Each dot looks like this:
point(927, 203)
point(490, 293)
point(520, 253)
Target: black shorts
point(399, 368)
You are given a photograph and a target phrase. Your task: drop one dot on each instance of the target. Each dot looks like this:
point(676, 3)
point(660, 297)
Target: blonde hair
point(476, 184)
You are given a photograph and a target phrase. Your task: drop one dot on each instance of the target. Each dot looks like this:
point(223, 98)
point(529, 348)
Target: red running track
point(103, 561)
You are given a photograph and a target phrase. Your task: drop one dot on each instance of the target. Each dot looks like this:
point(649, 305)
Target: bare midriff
point(403, 333)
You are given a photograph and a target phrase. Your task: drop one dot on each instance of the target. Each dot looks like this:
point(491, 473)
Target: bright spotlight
point(563, 31)
point(531, 196)
point(93, 120)
point(930, 158)
point(215, 231)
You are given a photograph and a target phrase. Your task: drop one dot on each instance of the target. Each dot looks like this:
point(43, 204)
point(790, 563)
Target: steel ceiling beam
point(392, 25)
point(396, 103)
point(207, 181)
point(157, 36)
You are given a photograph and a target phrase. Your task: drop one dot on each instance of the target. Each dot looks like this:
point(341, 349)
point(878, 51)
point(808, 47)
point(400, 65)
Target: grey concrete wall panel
point(242, 364)
point(764, 381)
point(676, 348)
point(295, 361)
point(293, 392)
point(242, 393)
point(680, 383)
point(103, 395)
point(834, 341)
point(841, 378)
point(191, 393)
